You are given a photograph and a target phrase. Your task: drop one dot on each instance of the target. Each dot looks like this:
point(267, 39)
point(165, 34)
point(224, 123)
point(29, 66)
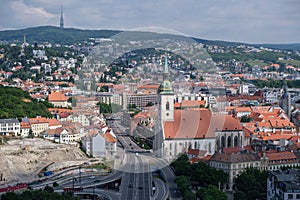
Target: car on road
point(92, 177)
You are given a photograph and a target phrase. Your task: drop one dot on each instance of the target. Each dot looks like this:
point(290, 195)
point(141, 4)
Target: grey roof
point(5, 121)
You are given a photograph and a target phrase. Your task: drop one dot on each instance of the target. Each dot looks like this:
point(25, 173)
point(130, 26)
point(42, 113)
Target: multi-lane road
point(135, 172)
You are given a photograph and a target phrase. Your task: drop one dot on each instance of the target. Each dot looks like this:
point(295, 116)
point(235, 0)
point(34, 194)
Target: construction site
point(25, 160)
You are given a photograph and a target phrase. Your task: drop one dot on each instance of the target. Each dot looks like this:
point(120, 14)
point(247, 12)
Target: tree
point(104, 108)
point(203, 175)
point(184, 186)
point(150, 104)
point(240, 195)
point(252, 182)
point(36, 195)
point(104, 88)
point(211, 193)
point(49, 189)
point(245, 118)
point(131, 106)
point(30, 134)
point(181, 165)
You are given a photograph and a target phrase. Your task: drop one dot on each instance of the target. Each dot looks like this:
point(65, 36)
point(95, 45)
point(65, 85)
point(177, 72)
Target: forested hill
point(53, 34)
point(71, 35)
point(16, 103)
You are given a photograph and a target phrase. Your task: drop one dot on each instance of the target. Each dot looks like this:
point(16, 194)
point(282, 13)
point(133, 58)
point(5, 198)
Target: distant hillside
point(54, 34)
point(71, 35)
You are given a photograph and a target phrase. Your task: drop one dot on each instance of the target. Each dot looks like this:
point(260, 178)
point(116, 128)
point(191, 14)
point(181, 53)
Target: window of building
point(167, 106)
point(290, 196)
point(297, 196)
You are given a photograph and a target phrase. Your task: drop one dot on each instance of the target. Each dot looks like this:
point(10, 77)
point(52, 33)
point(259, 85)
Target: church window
point(167, 106)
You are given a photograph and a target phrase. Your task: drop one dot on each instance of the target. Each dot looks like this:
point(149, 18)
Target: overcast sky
point(252, 21)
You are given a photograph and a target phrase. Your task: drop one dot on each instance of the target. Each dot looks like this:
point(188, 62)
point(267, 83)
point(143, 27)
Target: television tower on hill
point(61, 23)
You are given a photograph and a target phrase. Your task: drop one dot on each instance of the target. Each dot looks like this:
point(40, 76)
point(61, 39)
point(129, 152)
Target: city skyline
point(238, 21)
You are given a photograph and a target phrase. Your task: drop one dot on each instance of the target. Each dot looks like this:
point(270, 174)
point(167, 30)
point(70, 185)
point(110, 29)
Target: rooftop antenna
point(61, 17)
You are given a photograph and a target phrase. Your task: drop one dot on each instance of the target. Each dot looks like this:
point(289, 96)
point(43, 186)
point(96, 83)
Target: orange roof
point(54, 122)
point(176, 105)
point(25, 125)
point(57, 96)
point(56, 131)
point(277, 137)
point(198, 123)
point(155, 87)
point(59, 110)
point(198, 159)
point(275, 65)
point(237, 75)
point(263, 124)
point(237, 149)
point(243, 109)
point(38, 120)
point(192, 103)
point(280, 155)
point(109, 137)
point(281, 123)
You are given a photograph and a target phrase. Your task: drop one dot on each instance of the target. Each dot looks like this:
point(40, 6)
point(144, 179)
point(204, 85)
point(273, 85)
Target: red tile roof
point(198, 123)
point(237, 149)
point(285, 155)
point(155, 87)
point(192, 103)
point(57, 96)
point(109, 137)
point(234, 157)
point(38, 120)
point(54, 122)
point(25, 125)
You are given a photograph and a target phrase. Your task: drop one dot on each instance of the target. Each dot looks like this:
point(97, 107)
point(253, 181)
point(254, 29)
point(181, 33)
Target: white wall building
point(8, 126)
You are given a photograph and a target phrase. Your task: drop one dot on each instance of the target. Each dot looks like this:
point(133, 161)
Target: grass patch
point(256, 62)
point(295, 63)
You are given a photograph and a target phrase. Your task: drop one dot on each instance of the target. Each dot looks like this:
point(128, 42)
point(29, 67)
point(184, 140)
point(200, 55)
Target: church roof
point(198, 123)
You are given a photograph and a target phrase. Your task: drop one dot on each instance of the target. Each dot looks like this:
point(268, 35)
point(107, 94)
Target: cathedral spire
point(165, 87)
point(61, 18)
point(166, 69)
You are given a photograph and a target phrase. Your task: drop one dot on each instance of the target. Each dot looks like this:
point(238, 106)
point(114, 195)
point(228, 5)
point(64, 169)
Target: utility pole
point(80, 175)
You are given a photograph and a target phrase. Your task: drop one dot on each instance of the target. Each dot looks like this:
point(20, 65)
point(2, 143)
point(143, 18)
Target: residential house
point(234, 164)
point(283, 185)
point(58, 99)
point(9, 126)
point(25, 128)
point(100, 143)
point(38, 125)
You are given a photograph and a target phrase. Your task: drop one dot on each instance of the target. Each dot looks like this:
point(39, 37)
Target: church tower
point(166, 97)
point(165, 111)
point(285, 100)
point(61, 23)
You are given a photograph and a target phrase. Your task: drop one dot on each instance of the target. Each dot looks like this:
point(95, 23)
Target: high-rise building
point(61, 24)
